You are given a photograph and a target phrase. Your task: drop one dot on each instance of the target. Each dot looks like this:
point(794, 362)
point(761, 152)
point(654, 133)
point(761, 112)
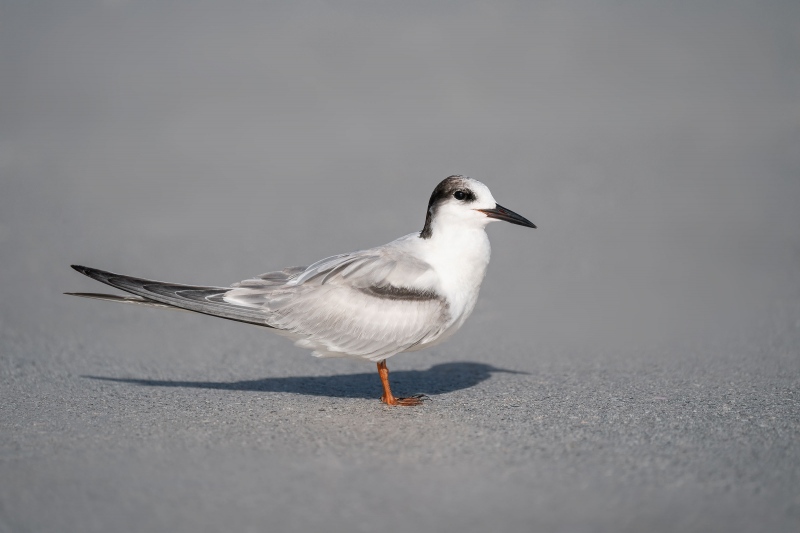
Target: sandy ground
point(632, 365)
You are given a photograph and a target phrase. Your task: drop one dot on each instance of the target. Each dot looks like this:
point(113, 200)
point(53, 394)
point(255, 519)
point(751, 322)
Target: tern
point(404, 296)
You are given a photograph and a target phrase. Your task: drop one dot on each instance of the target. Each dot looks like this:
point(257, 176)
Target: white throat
point(460, 256)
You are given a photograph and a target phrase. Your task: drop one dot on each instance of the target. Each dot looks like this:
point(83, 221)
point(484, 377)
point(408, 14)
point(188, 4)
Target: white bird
point(407, 295)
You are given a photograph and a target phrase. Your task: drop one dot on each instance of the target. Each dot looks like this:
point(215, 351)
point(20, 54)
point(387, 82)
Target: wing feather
point(206, 300)
point(369, 304)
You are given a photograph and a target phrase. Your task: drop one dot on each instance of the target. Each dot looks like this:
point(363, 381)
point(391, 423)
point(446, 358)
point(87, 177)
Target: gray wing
point(206, 300)
point(369, 304)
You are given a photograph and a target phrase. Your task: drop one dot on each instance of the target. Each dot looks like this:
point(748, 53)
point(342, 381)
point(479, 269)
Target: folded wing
point(206, 300)
point(370, 304)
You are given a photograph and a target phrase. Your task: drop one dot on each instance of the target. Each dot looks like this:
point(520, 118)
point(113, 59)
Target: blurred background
point(654, 315)
point(656, 145)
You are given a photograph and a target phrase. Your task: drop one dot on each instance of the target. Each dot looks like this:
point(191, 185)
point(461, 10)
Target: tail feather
point(137, 300)
point(205, 300)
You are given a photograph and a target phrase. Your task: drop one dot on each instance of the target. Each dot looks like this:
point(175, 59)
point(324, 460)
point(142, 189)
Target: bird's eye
point(459, 195)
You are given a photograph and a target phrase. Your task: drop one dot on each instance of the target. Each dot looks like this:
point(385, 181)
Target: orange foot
point(417, 399)
point(388, 398)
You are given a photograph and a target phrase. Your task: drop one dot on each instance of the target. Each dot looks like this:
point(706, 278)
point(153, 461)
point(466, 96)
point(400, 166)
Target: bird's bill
point(501, 213)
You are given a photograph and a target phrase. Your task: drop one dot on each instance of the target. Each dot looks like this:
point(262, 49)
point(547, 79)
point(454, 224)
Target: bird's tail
point(206, 300)
point(138, 300)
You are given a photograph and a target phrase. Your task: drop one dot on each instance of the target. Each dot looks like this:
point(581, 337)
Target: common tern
point(404, 296)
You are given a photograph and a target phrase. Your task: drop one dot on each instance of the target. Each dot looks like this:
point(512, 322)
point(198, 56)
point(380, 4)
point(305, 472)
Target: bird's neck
point(460, 255)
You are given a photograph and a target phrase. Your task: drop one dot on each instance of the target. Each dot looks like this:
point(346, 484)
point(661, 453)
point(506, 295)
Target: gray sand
point(632, 365)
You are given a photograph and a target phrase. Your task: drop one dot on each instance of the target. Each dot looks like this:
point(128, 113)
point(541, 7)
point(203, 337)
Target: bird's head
point(463, 201)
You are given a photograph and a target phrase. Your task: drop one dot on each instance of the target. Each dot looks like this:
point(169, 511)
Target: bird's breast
point(460, 262)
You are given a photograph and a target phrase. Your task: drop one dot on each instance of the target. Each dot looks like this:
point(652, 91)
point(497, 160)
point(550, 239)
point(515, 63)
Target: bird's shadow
point(439, 379)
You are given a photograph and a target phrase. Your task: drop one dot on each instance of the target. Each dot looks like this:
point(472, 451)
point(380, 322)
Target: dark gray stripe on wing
point(390, 292)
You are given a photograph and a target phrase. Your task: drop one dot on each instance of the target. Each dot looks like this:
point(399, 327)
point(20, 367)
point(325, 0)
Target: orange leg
point(388, 398)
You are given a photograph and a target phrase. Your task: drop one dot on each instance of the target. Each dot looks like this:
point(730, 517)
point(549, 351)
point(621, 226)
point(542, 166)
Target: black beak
point(501, 213)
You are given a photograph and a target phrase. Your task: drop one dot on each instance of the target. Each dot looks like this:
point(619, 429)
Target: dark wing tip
point(94, 273)
point(82, 269)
